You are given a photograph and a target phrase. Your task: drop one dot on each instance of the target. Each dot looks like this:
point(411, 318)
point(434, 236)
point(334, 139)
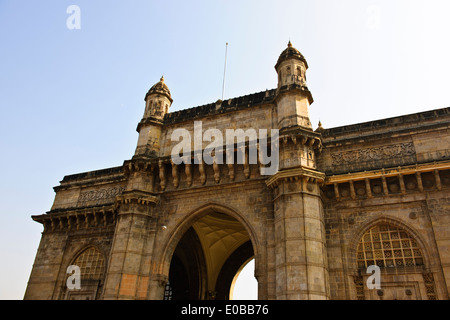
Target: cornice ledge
point(295, 173)
point(137, 196)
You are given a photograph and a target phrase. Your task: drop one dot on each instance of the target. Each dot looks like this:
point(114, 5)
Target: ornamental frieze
point(101, 194)
point(373, 154)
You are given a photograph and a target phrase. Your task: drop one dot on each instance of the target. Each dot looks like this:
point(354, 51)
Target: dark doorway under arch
point(187, 270)
point(207, 258)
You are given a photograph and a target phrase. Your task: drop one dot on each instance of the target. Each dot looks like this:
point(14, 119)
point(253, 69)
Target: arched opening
point(91, 264)
point(388, 246)
point(208, 256)
point(288, 71)
point(401, 261)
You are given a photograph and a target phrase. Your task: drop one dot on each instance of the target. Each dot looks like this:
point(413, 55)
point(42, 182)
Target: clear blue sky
point(71, 99)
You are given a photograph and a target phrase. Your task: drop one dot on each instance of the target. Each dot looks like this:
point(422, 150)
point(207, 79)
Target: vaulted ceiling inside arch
point(220, 235)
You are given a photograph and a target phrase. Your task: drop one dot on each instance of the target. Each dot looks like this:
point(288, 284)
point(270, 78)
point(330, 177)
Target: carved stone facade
point(343, 199)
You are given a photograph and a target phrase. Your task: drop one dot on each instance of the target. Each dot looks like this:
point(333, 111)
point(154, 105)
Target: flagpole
point(224, 69)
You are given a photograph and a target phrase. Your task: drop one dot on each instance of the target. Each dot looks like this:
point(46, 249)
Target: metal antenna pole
point(224, 69)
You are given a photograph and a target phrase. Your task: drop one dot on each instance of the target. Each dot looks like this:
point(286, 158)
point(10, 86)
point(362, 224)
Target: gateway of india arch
point(342, 200)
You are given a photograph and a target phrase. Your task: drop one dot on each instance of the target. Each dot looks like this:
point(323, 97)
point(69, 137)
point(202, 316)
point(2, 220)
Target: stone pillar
point(300, 254)
point(47, 266)
point(157, 286)
point(438, 207)
point(128, 274)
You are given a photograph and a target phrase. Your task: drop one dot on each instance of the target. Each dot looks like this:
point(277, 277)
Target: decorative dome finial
point(159, 88)
point(290, 53)
point(320, 127)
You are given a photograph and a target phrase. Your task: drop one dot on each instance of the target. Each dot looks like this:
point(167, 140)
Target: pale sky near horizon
point(71, 99)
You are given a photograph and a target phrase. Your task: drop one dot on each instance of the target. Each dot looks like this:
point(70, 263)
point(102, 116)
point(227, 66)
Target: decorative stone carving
point(101, 194)
point(345, 192)
point(428, 183)
point(216, 172)
point(373, 154)
point(361, 191)
point(132, 202)
point(175, 177)
point(188, 172)
point(393, 187)
point(201, 169)
point(162, 176)
point(411, 185)
point(377, 189)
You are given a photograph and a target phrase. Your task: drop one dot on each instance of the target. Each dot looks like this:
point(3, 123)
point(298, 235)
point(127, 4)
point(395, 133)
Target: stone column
point(157, 286)
point(438, 209)
point(128, 274)
point(300, 254)
point(47, 266)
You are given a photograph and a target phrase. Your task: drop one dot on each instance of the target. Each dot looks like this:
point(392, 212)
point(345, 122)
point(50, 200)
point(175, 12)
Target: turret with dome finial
point(320, 128)
point(293, 96)
point(157, 103)
point(291, 67)
point(158, 100)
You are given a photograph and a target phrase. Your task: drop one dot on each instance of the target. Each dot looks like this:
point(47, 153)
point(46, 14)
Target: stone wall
point(335, 184)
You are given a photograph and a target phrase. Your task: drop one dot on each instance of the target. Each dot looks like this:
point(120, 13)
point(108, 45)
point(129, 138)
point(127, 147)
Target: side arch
point(92, 262)
point(406, 270)
point(359, 233)
point(82, 249)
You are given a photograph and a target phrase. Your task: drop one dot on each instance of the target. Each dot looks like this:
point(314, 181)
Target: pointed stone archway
point(205, 253)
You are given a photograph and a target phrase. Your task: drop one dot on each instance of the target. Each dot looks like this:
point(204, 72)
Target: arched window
point(387, 246)
point(288, 71)
point(151, 108)
point(91, 264)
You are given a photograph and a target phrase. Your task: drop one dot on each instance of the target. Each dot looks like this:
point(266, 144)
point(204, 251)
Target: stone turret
point(294, 97)
point(301, 262)
point(157, 103)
